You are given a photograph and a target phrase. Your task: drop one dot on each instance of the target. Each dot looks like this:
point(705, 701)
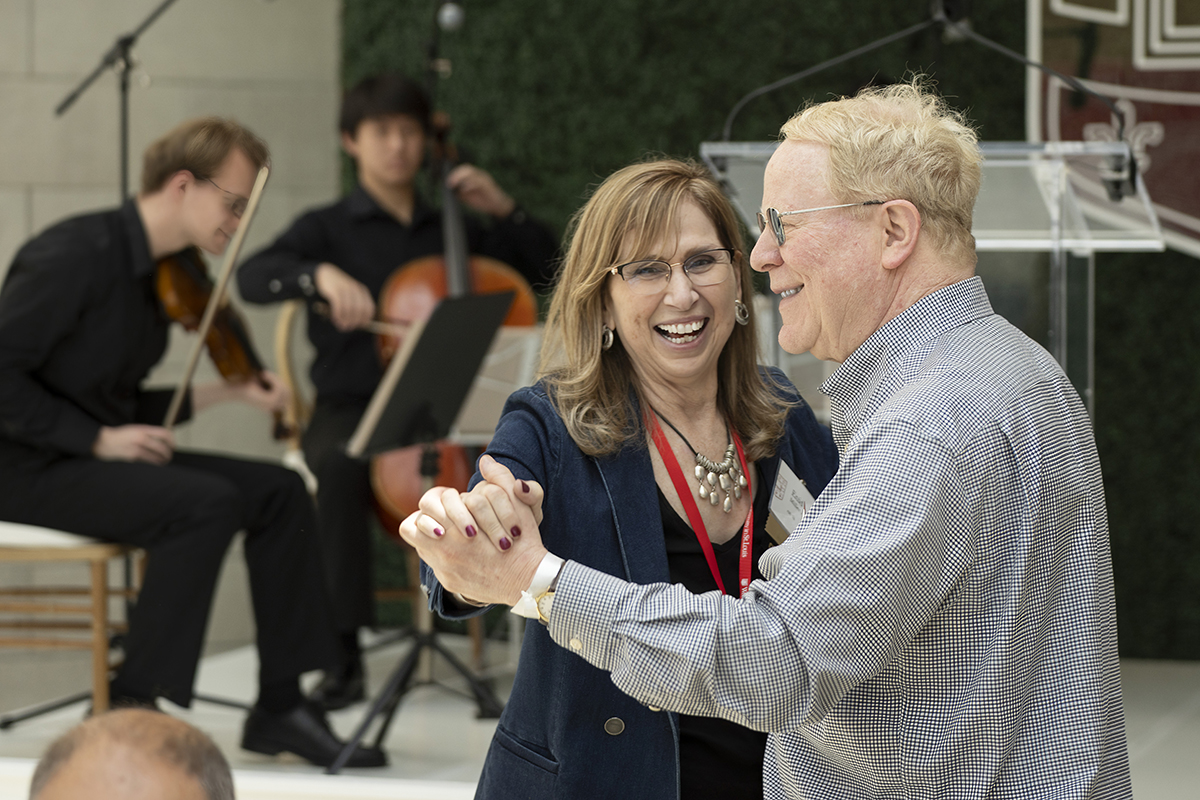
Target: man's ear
point(901, 227)
point(181, 180)
point(350, 145)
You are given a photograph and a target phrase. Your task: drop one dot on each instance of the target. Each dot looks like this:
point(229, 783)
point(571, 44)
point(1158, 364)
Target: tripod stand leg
point(8, 720)
point(489, 705)
point(387, 701)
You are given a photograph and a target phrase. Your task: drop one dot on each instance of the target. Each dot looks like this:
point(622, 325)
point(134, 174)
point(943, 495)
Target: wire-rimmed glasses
point(237, 205)
point(774, 216)
point(649, 276)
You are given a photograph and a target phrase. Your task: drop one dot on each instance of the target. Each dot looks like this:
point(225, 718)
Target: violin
point(185, 290)
point(411, 294)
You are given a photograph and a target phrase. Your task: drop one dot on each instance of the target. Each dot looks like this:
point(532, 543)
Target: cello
point(411, 294)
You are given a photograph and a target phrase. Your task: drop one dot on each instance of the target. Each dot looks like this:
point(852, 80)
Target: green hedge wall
point(553, 95)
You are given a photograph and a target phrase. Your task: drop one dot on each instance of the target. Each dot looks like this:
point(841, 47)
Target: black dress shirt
point(365, 241)
point(717, 758)
point(80, 328)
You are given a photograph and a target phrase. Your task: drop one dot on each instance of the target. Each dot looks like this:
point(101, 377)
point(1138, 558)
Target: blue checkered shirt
point(941, 624)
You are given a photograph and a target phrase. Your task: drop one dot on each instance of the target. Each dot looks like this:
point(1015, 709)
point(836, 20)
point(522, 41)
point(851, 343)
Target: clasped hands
point(483, 545)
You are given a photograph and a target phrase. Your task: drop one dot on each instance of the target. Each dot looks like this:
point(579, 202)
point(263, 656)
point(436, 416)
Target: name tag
point(789, 500)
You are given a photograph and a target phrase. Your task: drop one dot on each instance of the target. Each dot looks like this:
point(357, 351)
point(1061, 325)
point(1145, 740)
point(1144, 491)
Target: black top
point(80, 327)
point(368, 243)
point(717, 758)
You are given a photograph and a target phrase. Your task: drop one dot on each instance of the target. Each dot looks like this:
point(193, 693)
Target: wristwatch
point(536, 601)
point(544, 601)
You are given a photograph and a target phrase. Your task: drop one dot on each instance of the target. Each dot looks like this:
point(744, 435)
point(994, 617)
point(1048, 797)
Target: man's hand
point(351, 305)
point(152, 444)
point(479, 191)
point(268, 392)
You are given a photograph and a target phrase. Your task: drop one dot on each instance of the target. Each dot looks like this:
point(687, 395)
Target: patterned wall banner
point(1146, 55)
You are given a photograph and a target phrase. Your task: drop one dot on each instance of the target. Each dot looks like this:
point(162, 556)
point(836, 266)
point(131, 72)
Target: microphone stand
point(948, 15)
point(119, 57)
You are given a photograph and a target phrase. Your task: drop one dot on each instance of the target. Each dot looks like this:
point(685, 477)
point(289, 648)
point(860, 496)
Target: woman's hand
point(483, 544)
point(467, 563)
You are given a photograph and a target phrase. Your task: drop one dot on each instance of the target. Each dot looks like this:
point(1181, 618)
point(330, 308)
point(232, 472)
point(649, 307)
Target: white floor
point(436, 745)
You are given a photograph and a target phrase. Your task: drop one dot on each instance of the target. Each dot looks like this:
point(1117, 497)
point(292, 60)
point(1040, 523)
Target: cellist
point(83, 449)
point(341, 255)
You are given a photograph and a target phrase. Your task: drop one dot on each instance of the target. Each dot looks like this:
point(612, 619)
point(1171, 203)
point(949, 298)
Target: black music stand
point(417, 402)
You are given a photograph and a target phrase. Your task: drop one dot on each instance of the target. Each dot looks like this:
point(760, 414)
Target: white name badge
point(789, 500)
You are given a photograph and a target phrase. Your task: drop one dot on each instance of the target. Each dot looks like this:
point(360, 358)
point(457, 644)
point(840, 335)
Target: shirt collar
point(361, 205)
point(851, 385)
point(139, 246)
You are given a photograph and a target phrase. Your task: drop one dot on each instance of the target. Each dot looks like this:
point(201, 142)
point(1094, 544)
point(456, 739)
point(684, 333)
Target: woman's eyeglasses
point(651, 276)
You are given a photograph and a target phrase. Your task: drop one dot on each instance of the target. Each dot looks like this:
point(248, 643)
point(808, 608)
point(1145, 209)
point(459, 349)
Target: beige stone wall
point(271, 64)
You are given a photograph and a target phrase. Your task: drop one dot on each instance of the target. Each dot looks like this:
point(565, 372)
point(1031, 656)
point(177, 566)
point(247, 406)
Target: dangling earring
point(740, 312)
point(606, 338)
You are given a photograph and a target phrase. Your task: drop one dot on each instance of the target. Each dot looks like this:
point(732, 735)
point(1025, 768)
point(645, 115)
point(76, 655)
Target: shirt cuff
point(585, 606)
point(302, 283)
point(546, 571)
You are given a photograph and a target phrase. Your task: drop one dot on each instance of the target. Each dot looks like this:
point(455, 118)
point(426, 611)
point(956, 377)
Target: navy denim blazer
point(551, 741)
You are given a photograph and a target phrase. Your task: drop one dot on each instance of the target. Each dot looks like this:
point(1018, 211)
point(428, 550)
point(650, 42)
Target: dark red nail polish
point(524, 487)
point(438, 532)
point(505, 543)
point(470, 530)
point(515, 531)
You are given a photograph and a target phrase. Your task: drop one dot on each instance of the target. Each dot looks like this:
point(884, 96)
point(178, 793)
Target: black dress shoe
point(342, 688)
point(305, 732)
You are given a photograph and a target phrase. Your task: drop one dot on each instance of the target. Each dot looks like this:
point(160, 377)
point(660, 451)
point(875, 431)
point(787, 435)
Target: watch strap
point(543, 579)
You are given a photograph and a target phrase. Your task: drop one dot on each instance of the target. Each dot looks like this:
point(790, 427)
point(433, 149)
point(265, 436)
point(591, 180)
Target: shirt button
point(576, 645)
point(306, 284)
point(654, 708)
point(614, 726)
point(275, 285)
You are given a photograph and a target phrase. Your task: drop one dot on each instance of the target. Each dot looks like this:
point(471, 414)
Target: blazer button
point(614, 726)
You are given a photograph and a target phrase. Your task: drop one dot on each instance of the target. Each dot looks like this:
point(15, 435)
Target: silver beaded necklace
point(711, 476)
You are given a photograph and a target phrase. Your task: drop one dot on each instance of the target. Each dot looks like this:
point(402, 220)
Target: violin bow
point(218, 295)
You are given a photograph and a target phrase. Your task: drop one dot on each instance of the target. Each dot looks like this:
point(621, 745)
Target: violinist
point(83, 448)
point(338, 258)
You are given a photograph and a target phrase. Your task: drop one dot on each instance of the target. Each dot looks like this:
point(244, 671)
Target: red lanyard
point(684, 490)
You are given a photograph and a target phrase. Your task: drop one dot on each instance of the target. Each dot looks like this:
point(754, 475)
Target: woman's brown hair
point(636, 208)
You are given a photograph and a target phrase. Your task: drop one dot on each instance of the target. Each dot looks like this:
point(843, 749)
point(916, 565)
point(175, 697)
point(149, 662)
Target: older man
point(132, 754)
point(941, 623)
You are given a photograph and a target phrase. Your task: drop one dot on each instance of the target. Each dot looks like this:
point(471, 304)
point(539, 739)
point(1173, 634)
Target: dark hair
point(200, 146)
point(390, 93)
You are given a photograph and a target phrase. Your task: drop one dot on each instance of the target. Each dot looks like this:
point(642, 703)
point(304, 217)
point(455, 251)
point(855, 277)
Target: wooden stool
point(55, 610)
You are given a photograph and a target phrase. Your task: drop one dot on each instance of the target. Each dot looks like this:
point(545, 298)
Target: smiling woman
point(649, 377)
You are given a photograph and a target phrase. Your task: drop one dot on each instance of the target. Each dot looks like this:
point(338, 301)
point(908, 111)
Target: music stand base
point(401, 681)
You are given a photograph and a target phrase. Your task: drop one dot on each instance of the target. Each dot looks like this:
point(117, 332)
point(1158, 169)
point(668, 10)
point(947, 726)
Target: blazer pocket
point(533, 754)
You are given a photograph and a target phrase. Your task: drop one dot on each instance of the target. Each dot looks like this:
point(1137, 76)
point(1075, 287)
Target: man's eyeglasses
point(774, 216)
point(651, 276)
point(235, 202)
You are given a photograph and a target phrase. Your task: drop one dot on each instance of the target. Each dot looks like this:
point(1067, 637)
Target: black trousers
point(184, 515)
point(345, 511)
